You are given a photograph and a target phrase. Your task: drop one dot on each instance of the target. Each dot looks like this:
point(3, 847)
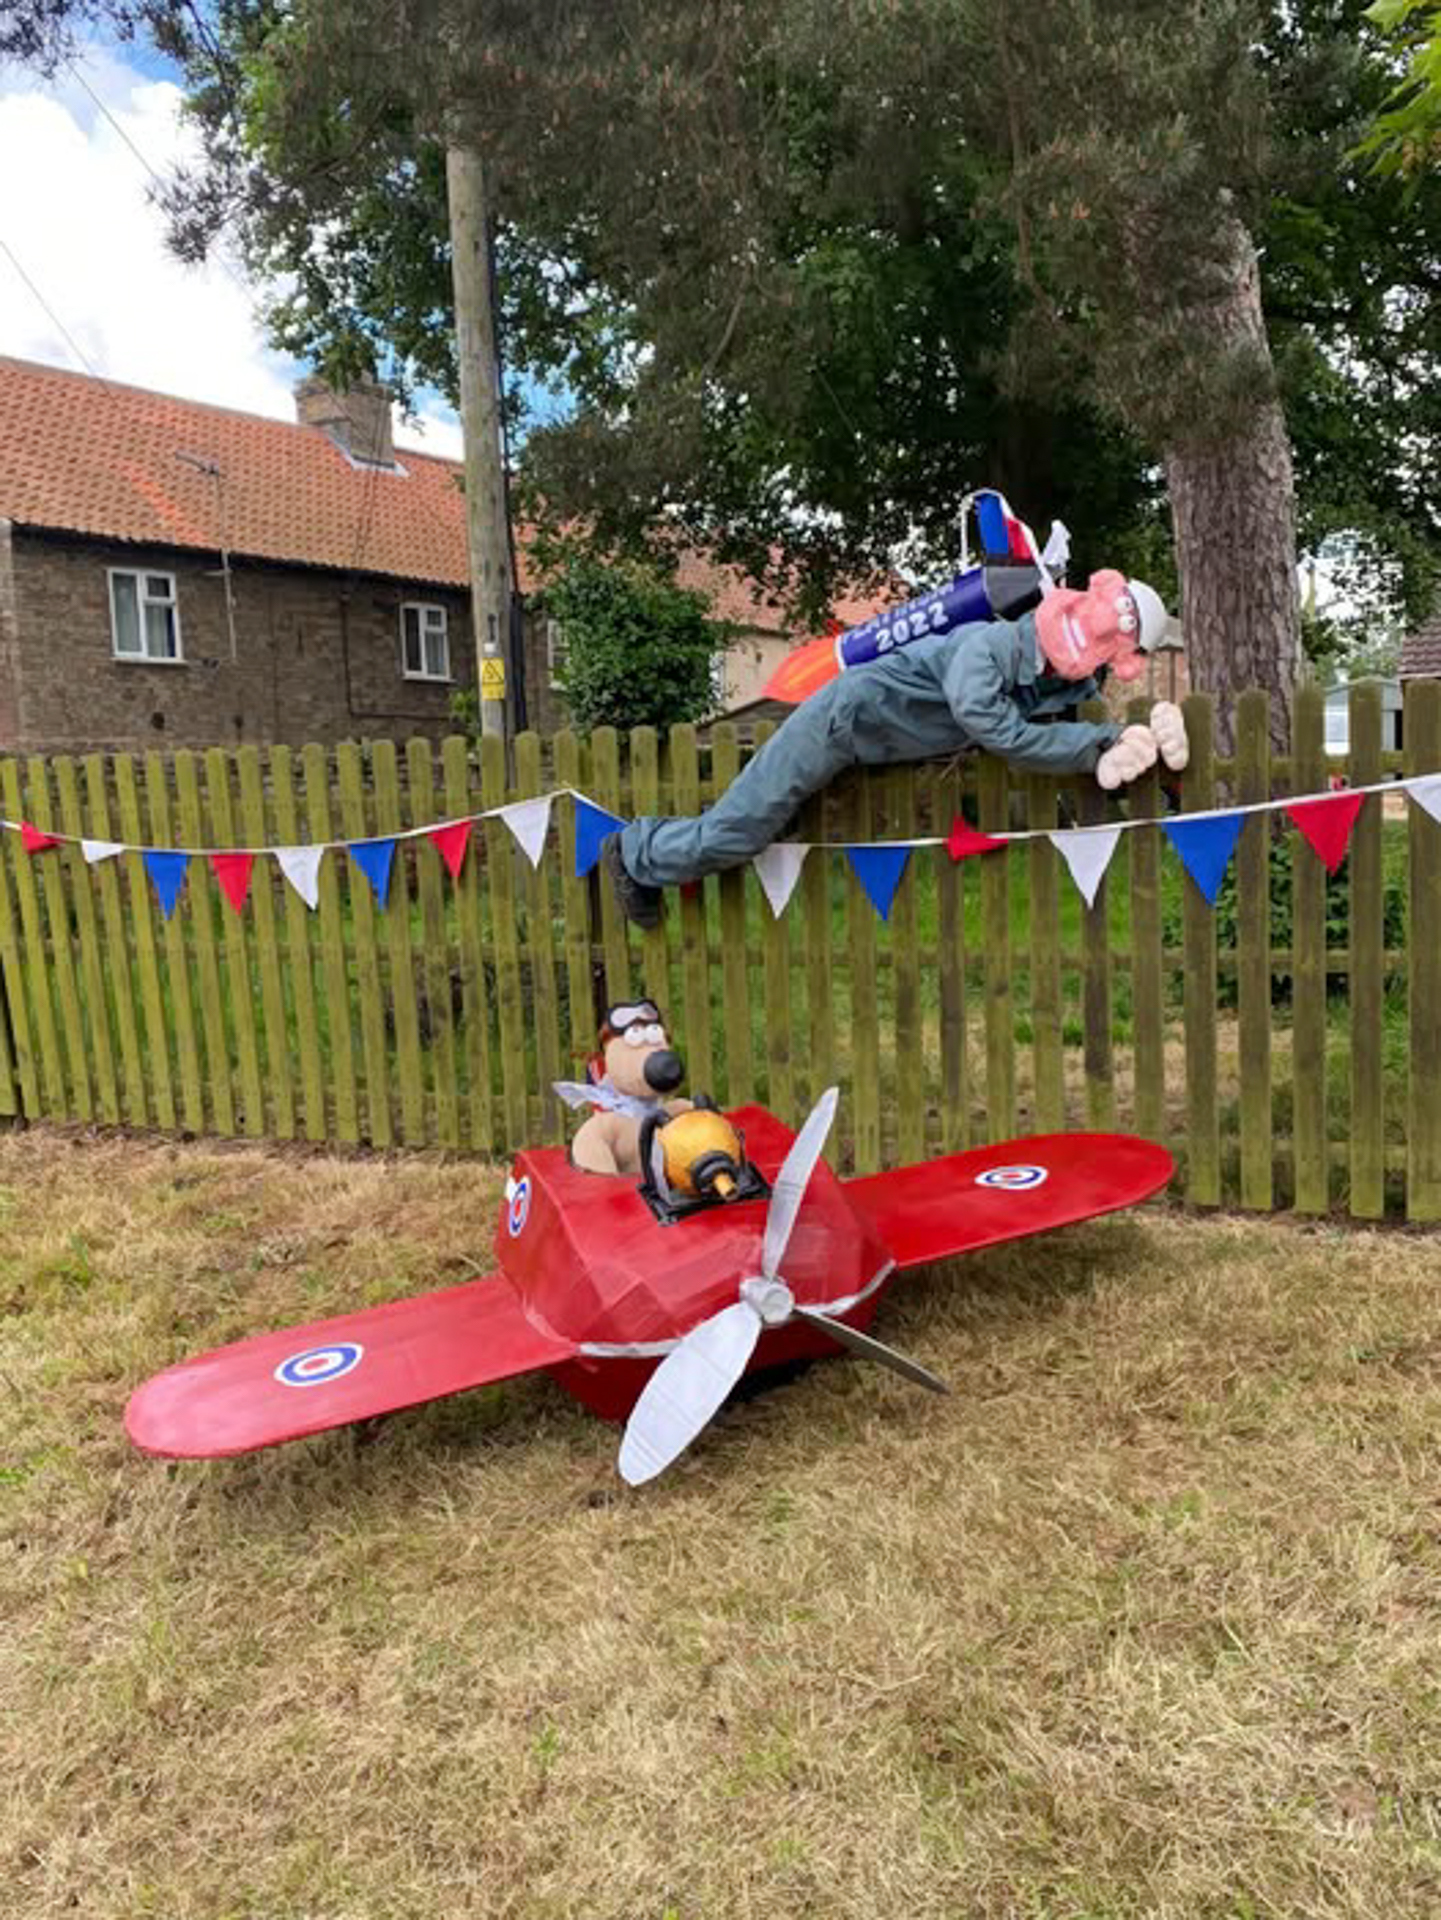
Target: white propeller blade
point(793, 1179)
point(686, 1389)
point(688, 1386)
point(869, 1349)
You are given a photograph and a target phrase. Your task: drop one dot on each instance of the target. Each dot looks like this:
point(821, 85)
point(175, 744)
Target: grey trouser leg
point(804, 756)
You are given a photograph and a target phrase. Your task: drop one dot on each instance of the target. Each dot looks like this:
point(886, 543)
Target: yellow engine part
point(703, 1153)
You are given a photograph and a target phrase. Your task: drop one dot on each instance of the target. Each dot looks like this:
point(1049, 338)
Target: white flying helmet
point(1150, 613)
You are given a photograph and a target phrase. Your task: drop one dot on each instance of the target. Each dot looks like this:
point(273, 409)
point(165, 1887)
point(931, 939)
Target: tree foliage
point(44, 34)
point(1407, 136)
point(40, 33)
point(639, 650)
point(854, 370)
point(811, 271)
point(851, 258)
point(1353, 271)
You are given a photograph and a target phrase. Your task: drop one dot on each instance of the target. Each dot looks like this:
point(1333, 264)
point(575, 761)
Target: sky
point(81, 239)
point(86, 281)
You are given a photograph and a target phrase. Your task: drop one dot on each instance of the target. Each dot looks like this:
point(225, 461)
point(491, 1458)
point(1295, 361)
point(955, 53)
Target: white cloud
point(436, 430)
point(81, 227)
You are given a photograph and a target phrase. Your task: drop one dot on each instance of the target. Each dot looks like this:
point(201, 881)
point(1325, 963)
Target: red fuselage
point(591, 1262)
point(595, 1290)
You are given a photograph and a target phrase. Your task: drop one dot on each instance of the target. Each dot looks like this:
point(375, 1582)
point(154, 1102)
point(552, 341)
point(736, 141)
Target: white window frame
point(143, 599)
point(420, 608)
point(554, 651)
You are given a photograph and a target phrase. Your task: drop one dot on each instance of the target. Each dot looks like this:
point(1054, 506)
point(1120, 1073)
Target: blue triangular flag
point(373, 859)
point(167, 871)
point(592, 825)
point(1205, 846)
point(879, 871)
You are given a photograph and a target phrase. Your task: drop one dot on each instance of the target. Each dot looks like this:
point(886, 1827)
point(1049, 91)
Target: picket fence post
point(441, 1015)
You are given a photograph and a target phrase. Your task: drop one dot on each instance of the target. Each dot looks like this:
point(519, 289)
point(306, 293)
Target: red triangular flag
point(1327, 824)
point(232, 870)
point(965, 840)
point(33, 840)
point(452, 841)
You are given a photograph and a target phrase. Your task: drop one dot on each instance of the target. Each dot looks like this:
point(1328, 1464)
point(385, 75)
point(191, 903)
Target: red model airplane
point(648, 1303)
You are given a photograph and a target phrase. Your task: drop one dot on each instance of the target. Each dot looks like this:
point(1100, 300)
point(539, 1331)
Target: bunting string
point(36, 839)
point(1204, 840)
point(94, 850)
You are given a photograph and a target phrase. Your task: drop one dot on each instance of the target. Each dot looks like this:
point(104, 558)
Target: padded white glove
point(1127, 759)
point(1170, 730)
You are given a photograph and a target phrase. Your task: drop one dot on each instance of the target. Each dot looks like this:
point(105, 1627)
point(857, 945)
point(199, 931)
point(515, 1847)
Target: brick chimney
point(357, 419)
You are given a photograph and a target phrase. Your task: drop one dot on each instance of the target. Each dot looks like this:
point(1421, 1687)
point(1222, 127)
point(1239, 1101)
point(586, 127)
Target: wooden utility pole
point(490, 582)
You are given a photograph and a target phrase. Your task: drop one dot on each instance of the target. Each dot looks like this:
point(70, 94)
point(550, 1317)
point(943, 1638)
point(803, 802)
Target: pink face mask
point(1079, 631)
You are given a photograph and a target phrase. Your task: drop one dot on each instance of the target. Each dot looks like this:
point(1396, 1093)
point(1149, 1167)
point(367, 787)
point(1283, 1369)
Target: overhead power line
point(368, 500)
point(153, 171)
point(102, 108)
point(51, 315)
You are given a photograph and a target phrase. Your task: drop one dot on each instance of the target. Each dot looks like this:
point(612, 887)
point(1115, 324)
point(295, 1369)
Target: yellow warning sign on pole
point(492, 679)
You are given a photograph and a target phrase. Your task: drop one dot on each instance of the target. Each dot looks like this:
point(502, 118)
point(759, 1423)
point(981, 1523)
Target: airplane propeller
point(688, 1387)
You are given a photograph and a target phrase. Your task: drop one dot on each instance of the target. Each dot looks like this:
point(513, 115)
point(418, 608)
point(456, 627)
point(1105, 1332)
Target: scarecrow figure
point(629, 1077)
point(991, 685)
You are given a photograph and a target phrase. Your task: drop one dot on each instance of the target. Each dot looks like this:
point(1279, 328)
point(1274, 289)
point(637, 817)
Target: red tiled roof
point(1421, 652)
point(81, 455)
point(734, 598)
point(88, 456)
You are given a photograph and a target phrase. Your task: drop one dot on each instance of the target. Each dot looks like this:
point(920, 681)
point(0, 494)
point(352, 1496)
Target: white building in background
point(1338, 717)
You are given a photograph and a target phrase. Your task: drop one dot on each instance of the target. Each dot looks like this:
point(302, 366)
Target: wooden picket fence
point(1302, 1074)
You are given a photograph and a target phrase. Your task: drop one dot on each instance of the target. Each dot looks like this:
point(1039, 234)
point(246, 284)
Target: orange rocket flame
point(806, 670)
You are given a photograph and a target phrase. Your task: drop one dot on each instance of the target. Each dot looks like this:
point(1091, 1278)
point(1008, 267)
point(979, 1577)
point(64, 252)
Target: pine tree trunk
point(1233, 505)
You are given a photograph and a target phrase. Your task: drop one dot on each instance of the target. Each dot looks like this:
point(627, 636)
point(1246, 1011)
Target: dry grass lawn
point(1143, 1620)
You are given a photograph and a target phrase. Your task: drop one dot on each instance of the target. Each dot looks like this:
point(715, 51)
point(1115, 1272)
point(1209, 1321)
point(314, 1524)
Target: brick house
point(173, 574)
point(177, 574)
point(1421, 651)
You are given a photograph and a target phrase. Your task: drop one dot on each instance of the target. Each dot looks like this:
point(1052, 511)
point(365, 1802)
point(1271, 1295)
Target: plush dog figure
point(629, 1078)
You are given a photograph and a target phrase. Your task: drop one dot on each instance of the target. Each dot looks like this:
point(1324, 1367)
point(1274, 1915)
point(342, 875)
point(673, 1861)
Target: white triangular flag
point(1087, 852)
point(779, 866)
point(1426, 792)
point(100, 850)
point(529, 821)
point(301, 867)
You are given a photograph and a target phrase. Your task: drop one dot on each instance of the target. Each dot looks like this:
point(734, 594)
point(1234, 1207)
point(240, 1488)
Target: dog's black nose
point(664, 1071)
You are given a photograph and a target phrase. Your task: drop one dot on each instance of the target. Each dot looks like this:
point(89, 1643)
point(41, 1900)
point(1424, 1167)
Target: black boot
point(637, 903)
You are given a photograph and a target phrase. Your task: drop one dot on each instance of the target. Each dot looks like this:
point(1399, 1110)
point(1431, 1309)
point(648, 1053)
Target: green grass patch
point(1139, 1621)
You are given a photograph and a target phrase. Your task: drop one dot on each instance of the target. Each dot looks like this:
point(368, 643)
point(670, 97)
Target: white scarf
point(608, 1097)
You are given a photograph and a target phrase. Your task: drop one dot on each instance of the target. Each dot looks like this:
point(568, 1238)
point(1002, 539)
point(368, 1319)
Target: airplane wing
point(281, 1386)
point(940, 1208)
